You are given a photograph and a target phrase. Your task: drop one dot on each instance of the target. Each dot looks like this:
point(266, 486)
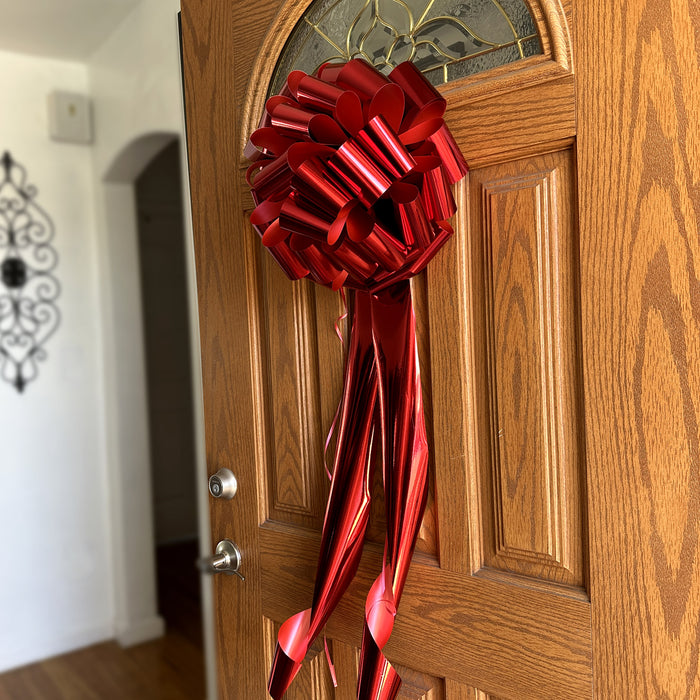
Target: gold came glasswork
point(446, 39)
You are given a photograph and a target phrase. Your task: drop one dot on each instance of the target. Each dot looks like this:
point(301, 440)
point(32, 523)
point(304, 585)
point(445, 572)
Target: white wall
point(135, 84)
point(76, 535)
point(55, 557)
point(133, 80)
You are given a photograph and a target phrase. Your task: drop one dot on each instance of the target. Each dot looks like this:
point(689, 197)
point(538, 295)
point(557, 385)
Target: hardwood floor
point(170, 668)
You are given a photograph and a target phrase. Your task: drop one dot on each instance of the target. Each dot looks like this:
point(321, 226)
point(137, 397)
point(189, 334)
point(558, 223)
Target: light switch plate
point(70, 117)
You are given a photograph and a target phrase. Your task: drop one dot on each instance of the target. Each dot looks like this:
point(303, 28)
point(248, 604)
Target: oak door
point(558, 334)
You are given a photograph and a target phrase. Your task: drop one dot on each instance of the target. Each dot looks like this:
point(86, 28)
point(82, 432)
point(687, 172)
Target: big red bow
point(351, 180)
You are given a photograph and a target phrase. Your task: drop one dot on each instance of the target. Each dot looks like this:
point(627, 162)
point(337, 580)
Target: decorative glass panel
point(446, 39)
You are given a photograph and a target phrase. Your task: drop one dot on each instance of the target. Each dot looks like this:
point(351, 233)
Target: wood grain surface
point(559, 555)
point(212, 83)
point(473, 630)
point(638, 111)
point(532, 473)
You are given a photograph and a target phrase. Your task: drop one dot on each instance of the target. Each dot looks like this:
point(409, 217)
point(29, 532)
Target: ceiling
point(67, 29)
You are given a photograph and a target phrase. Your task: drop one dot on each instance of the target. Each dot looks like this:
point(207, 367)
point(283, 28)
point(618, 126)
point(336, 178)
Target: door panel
point(558, 370)
point(530, 465)
point(292, 399)
point(504, 515)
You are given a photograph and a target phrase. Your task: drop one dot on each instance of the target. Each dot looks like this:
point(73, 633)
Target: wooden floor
point(170, 668)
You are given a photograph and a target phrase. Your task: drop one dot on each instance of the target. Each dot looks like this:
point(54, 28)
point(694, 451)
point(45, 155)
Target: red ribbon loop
point(350, 133)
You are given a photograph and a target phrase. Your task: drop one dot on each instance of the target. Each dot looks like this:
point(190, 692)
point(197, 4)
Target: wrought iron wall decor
point(28, 288)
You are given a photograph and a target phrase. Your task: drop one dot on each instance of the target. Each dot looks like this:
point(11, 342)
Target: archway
point(129, 444)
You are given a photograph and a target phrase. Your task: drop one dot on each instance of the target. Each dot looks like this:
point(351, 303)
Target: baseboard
point(40, 649)
point(141, 631)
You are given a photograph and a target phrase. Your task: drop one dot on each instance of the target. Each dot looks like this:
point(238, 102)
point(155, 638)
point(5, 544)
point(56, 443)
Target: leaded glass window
point(446, 39)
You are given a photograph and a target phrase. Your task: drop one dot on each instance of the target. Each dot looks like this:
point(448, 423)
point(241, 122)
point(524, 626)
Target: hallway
point(170, 668)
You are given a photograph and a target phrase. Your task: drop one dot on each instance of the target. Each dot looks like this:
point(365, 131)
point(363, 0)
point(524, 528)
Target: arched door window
point(446, 39)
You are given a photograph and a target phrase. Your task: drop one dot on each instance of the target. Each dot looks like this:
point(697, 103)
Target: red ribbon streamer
point(351, 178)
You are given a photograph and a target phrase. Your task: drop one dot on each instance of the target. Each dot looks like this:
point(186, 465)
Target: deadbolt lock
point(223, 484)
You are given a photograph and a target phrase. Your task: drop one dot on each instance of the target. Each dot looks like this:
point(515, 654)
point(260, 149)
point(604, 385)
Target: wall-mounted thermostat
point(70, 117)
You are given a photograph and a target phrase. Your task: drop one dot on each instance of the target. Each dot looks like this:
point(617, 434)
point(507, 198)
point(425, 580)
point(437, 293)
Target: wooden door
point(559, 335)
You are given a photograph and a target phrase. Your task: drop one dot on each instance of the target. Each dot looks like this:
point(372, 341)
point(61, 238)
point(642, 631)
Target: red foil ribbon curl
point(351, 178)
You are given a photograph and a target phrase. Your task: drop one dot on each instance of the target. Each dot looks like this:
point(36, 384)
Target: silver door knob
point(223, 484)
point(226, 560)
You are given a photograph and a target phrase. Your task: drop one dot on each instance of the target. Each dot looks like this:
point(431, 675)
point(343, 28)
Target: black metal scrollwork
point(28, 288)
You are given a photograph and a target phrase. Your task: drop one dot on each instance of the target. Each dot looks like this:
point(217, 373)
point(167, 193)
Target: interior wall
point(137, 95)
point(126, 420)
point(74, 463)
point(76, 534)
point(134, 81)
point(56, 565)
point(134, 85)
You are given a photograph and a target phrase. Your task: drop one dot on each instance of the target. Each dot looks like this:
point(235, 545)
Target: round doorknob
point(223, 484)
point(226, 560)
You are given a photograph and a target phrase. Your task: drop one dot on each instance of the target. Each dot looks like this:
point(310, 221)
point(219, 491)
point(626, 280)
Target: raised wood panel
point(270, 630)
point(294, 432)
point(310, 369)
point(531, 464)
point(426, 542)
point(510, 640)
point(526, 469)
point(329, 310)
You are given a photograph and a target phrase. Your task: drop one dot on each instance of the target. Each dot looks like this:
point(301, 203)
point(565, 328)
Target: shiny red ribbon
point(351, 180)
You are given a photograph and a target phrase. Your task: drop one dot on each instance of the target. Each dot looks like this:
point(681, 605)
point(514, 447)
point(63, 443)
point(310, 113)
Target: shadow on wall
point(166, 327)
point(130, 488)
